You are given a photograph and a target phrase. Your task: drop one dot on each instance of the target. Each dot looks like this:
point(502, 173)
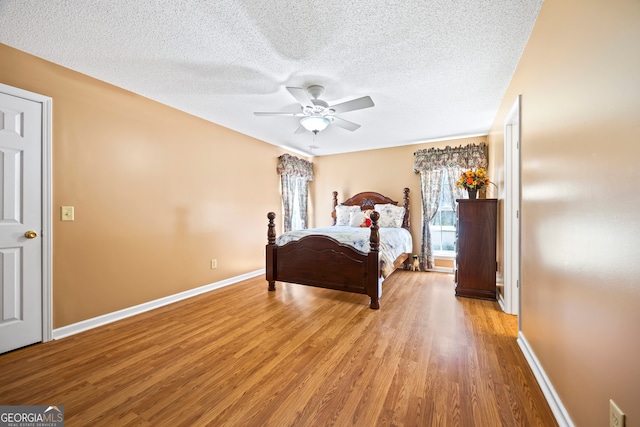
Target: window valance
point(293, 166)
point(470, 156)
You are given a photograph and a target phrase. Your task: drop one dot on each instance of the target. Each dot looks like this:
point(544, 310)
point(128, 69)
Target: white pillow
point(343, 213)
point(356, 219)
point(391, 216)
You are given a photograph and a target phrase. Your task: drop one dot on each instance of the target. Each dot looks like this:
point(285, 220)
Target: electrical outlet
point(616, 416)
point(214, 263)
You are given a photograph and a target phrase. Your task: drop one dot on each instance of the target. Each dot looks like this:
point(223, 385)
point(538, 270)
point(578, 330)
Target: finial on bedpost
point(335, 203)
point(374, 239)
point(271, 233)
point(407, 214)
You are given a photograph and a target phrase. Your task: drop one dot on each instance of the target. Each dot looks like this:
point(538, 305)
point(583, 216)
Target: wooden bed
point(321, 261)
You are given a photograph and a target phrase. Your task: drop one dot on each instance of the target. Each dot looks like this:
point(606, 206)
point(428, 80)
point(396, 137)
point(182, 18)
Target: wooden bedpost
point(335, 203)
point(374, 238)
point(407, 214)
point(374, 265)
point(271, 251)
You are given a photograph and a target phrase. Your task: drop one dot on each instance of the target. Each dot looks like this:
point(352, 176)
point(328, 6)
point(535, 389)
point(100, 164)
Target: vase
point(473, 193)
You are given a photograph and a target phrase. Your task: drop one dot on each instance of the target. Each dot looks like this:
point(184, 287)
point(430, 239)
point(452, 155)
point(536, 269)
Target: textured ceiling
point(435, 69)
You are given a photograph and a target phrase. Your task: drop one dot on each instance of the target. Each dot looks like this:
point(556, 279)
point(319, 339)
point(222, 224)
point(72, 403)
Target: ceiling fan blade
point(354, 104)
point(345, 124)
point(301, 96)
point(258, 113)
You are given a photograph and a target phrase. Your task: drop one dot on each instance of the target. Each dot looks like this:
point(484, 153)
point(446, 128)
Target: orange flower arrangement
point(473, 180)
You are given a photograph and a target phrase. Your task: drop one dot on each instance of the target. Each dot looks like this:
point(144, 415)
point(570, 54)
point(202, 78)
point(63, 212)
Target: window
point(443, 224)
point(298, 216)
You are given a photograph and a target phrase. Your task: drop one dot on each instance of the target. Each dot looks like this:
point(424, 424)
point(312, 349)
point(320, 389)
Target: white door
point(512, 210)
point(21, 309)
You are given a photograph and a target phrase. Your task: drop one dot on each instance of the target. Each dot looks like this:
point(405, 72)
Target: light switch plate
point(67, 213)
point(616, 416)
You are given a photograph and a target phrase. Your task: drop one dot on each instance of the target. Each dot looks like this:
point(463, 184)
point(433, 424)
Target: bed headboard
point(368, 199)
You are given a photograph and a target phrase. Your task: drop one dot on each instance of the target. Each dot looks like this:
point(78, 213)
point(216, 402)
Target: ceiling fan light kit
point(318, 114)
point(315, 124)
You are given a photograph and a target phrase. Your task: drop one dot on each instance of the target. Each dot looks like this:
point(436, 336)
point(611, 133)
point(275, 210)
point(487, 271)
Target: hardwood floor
point(243, 356)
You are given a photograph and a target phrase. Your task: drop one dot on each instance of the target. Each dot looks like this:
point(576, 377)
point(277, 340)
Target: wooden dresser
point(475, 273)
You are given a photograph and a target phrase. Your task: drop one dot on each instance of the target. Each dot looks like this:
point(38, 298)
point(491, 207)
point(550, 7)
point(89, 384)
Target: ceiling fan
point(316, 114)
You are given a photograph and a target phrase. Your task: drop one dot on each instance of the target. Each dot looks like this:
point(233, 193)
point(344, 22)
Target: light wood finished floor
point(243, 356)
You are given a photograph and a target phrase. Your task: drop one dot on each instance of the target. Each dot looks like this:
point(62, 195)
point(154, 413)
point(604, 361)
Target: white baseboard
point(558, 409)
point(501, 302)
point(85, 325)
point(440, 270)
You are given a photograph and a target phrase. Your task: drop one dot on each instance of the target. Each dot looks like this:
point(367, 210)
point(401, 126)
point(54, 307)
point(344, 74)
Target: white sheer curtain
point(295, 191)
point(430, 186)
point(295, 175)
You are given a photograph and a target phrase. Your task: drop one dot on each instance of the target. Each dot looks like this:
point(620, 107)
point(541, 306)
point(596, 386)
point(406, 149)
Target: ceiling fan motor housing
point(320, 108)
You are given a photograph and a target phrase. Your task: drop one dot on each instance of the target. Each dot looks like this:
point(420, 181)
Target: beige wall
point(387, 171)
point(580, 298)
point(153, 192)
point(157, 193)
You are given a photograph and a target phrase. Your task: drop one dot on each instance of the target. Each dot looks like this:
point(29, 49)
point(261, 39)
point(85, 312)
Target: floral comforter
point(393, 241)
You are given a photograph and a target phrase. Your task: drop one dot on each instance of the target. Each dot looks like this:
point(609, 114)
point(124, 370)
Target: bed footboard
point(324, 262)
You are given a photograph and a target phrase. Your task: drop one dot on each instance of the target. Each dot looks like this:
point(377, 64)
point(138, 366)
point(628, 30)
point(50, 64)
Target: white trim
point(447, 138)
point(441, 270)
point(47, 221)
point(501, 302)
point(511, 276)
point(444, 255)
point(295, 150)
point(558, 409)
point(413, 142)
point(47, 204)
point(85, 325)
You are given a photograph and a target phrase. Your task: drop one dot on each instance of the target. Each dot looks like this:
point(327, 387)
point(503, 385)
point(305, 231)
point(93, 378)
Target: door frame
point(47, 203)
point(512, 214)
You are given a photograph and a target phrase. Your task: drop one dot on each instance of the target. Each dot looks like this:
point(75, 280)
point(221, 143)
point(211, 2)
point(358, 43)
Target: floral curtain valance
point(293, 166)
point(470, 156)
